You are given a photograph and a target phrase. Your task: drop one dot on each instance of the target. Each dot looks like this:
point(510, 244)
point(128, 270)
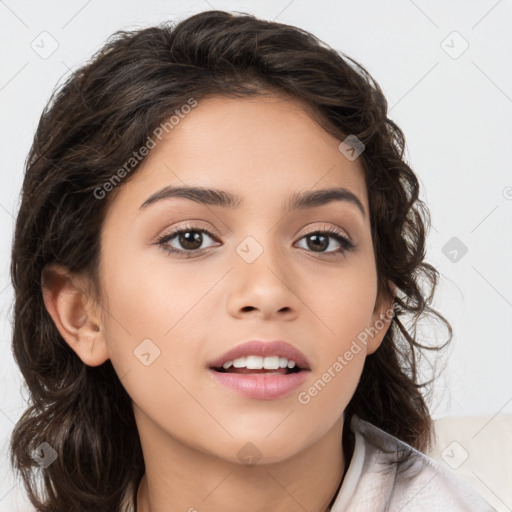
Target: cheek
point(155, 321)
point(147, 295)
point(331, 388)
point(343, 304)
point(344, 313)
point(152, 339)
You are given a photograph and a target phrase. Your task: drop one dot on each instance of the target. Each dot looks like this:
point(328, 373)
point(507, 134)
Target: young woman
point(217, 252)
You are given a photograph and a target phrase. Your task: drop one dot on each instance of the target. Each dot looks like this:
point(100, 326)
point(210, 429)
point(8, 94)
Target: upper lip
point(263, 348)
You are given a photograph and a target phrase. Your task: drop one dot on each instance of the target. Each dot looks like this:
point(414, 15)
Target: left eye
point(191, 238)
point(319, 239)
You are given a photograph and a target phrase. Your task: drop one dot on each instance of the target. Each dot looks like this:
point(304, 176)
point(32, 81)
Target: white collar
point(353, 473)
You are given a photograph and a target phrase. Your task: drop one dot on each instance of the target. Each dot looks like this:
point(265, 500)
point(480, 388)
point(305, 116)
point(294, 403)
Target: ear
point(381, 318)
point(74, 313)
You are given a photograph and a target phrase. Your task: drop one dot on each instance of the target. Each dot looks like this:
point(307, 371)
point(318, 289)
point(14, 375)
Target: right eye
point(189, 237)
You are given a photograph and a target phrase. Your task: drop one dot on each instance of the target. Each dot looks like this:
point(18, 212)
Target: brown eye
point(191, 240)
point(319, 241)
point(188, 239)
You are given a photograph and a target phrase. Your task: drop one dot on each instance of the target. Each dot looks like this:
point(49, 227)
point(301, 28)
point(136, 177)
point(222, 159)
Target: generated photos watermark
point(342, 360)
point(143, 151)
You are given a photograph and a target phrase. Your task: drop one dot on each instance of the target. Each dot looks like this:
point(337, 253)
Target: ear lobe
point(381, 319)
point(67, 302)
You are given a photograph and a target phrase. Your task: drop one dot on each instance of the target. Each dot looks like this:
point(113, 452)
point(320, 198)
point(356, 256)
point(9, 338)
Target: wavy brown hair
point(91, 126)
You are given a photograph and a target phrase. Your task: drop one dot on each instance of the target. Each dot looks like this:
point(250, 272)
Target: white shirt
point(375, 482)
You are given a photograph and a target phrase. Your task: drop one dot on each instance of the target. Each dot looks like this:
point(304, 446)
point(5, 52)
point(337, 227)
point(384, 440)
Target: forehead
point(258, 148)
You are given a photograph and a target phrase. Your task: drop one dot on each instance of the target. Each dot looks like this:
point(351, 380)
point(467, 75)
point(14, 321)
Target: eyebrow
point(225, 199)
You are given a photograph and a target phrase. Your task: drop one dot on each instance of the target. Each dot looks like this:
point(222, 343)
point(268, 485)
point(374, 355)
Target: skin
point(194, 310)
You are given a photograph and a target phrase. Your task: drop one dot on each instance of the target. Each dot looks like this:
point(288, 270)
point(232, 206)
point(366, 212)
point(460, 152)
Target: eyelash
point(346, 245)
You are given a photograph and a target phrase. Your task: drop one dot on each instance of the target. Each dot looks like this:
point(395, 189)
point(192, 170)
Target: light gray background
point(455, 110)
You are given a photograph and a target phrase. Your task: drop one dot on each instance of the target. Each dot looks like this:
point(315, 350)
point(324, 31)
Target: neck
point(178, 477)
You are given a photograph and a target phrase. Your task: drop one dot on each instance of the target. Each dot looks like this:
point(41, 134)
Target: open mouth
point(261, 370)
point(286, 371)
point(270, 365)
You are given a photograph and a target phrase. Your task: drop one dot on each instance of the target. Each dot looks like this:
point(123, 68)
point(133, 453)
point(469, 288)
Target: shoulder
point(386, 474)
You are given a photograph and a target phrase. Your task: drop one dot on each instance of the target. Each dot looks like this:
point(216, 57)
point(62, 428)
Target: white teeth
point(271, 363)
point(254, 363)
point(240, 362)
point(258, 362)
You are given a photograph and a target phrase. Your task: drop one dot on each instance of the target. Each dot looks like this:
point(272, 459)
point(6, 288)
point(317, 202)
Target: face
point(253, 269)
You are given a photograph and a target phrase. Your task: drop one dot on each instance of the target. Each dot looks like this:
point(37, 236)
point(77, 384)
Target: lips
point(251, 369)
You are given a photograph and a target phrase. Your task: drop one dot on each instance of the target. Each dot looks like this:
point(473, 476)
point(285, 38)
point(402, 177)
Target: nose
point(263, 286)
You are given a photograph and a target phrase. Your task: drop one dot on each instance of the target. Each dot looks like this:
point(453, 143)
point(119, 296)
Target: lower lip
point(261, 386)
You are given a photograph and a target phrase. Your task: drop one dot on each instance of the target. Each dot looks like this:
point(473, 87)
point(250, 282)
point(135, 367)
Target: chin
point(260, 450)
